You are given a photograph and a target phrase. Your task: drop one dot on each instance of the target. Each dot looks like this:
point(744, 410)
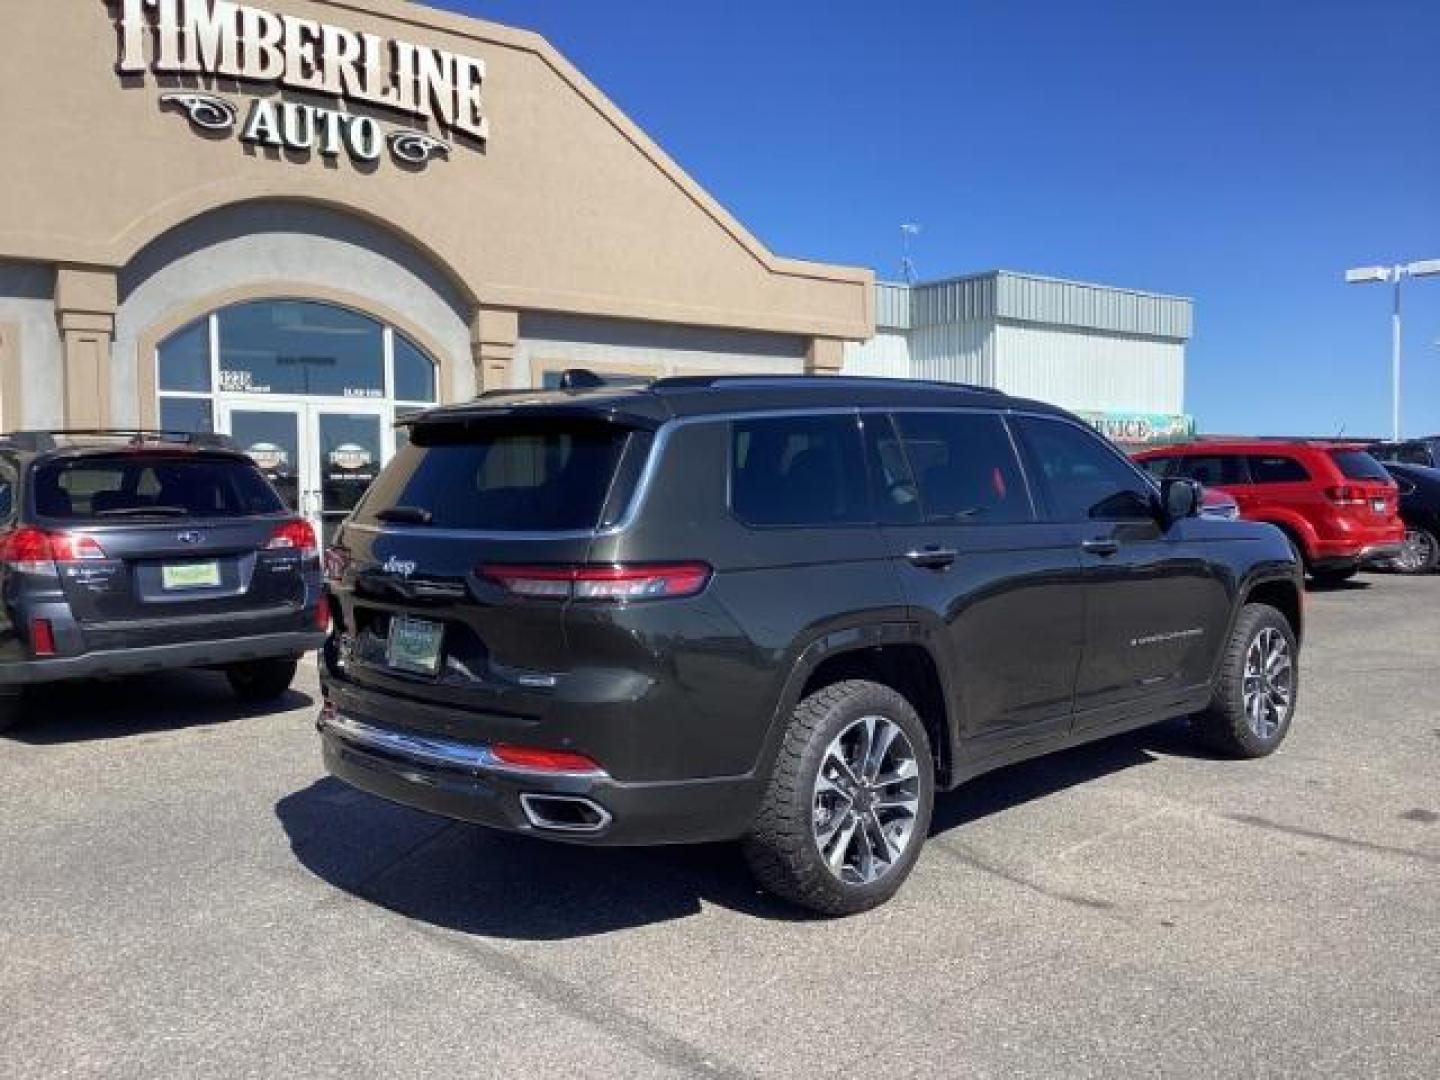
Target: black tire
point(1333, 577)
point(1426, 547)
point(261, 680)
point(12, 710)
point(782, 848)
point(1226, 725)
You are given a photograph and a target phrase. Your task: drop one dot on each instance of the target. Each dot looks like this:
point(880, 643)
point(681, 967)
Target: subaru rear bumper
point(137, 661)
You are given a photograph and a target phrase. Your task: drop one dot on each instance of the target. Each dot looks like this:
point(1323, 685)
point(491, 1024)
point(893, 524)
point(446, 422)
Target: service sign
point(220, 39)
point(1141, 429)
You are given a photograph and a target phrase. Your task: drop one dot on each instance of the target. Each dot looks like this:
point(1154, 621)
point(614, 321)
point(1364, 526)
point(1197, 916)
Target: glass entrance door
point(273, 435)
point(321, 458)
point(350, 448)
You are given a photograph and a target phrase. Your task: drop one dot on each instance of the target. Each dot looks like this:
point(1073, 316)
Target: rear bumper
point(461, 780)
point(137, 661)
point(1369, 555)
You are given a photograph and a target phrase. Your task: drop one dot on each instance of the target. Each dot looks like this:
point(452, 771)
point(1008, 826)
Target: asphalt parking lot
point(185, 894)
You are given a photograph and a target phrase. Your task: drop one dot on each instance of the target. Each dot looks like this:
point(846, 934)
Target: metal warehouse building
point(1115, 356)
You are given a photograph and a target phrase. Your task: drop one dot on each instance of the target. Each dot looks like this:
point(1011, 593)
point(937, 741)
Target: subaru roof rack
point(43, 440)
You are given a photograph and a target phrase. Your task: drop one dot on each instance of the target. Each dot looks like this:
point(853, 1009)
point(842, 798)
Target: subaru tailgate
point(152, 545)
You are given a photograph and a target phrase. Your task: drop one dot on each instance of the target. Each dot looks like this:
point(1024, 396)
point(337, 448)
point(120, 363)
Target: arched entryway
point(310, 389)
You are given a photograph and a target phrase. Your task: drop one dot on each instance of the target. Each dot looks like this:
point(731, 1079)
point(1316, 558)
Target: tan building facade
point(257, 216)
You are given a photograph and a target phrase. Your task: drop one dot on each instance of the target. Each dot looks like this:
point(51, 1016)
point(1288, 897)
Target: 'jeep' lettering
point(237, 41)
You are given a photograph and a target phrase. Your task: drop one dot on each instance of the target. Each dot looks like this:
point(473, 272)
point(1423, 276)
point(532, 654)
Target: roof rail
point(694, 382)
point(43, 440)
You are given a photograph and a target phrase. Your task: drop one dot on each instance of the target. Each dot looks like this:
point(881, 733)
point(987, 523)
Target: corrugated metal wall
point(892, 306)
point(886, 355)
point(1027, 298)
point(1082, 369)
point(955, 352)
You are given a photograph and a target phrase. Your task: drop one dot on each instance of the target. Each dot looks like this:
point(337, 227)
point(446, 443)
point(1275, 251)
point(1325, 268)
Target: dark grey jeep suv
point(783, 610)
point(128, 552)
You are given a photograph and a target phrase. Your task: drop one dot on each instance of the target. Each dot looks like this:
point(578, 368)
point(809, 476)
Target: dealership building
point(293, 220)
point(1115, 356)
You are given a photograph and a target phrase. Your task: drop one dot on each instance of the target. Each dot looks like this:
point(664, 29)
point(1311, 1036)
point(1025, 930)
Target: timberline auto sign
point(227, 40)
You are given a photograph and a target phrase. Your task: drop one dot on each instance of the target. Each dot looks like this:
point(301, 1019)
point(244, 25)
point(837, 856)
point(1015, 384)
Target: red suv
point(1337, 504)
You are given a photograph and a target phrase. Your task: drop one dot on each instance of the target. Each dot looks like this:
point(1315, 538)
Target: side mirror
point(1179, 499)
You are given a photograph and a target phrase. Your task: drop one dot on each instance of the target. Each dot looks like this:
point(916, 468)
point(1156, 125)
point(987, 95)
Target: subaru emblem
point(191, 537)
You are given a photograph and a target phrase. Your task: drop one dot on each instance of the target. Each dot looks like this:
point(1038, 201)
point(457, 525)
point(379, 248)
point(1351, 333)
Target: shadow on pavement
point(91, 709)
point(468, 878)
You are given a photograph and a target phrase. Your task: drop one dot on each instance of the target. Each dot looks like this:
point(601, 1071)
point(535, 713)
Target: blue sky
point(1241, 153)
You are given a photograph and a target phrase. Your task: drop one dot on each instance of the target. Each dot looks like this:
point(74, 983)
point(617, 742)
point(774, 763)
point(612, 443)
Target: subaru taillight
point(601, 583)
point(294, 536)
point(35, 551)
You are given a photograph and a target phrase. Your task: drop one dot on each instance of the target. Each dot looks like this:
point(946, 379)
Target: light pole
point(1365, 275)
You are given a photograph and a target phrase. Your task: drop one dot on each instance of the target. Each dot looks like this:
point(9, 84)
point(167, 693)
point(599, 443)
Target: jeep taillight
point(337, 561)
point(35, 551)
point(614, 583)
point(294, 536)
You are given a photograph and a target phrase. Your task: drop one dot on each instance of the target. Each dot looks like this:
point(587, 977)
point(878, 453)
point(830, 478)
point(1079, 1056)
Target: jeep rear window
point(1358, 465)
point(506, 476)
point(131, 486)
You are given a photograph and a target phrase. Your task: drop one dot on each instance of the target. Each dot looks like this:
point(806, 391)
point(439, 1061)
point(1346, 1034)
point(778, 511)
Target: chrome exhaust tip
point(565, 813)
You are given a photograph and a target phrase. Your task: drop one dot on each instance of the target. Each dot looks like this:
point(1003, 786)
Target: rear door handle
point(933, 558)
point(1101, 547)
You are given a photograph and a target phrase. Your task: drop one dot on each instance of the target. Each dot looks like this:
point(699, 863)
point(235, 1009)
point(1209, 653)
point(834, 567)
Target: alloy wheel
point(867, 800)
point(1269, 683)
point(1418, 552)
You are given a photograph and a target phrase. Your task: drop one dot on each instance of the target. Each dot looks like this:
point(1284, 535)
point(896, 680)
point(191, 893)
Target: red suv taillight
point(35, 551)
point(601, 583)
point(1346, 495)
point(297, 536)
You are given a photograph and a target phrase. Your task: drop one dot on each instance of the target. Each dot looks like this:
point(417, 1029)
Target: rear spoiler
point(40, 442)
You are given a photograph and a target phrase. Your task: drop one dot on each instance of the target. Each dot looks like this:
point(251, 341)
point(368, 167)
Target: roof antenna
point(908, 231)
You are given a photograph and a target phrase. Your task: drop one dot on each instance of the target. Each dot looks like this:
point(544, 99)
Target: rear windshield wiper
point(144, 511)
point(410, 515)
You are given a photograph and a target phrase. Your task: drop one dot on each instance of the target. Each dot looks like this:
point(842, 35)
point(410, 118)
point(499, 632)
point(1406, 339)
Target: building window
point(288, 349)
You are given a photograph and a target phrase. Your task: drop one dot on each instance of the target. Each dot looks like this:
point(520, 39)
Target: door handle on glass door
point(932, 557)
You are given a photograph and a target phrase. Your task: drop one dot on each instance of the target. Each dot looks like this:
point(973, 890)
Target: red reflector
point(42, 637)
point(296, 536)
point(616, 582)
point(524, 757)
point(322, 614)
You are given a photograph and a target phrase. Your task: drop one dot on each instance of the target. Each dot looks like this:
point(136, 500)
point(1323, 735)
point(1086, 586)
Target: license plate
point(195, 575)
point(1378, 505)
point(414, 645)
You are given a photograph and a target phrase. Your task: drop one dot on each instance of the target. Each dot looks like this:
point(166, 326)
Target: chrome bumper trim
point(471, 758)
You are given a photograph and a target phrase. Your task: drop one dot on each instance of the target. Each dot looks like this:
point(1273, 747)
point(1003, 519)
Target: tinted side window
point(798, 470)
point(965, 466)
point(1083, 477)
point(1276, 469)
point(1214, 469)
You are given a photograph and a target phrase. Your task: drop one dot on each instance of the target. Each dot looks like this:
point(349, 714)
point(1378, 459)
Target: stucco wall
point(649, 348)
point(272, 247)
point(27, 304)
point(568, 207)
